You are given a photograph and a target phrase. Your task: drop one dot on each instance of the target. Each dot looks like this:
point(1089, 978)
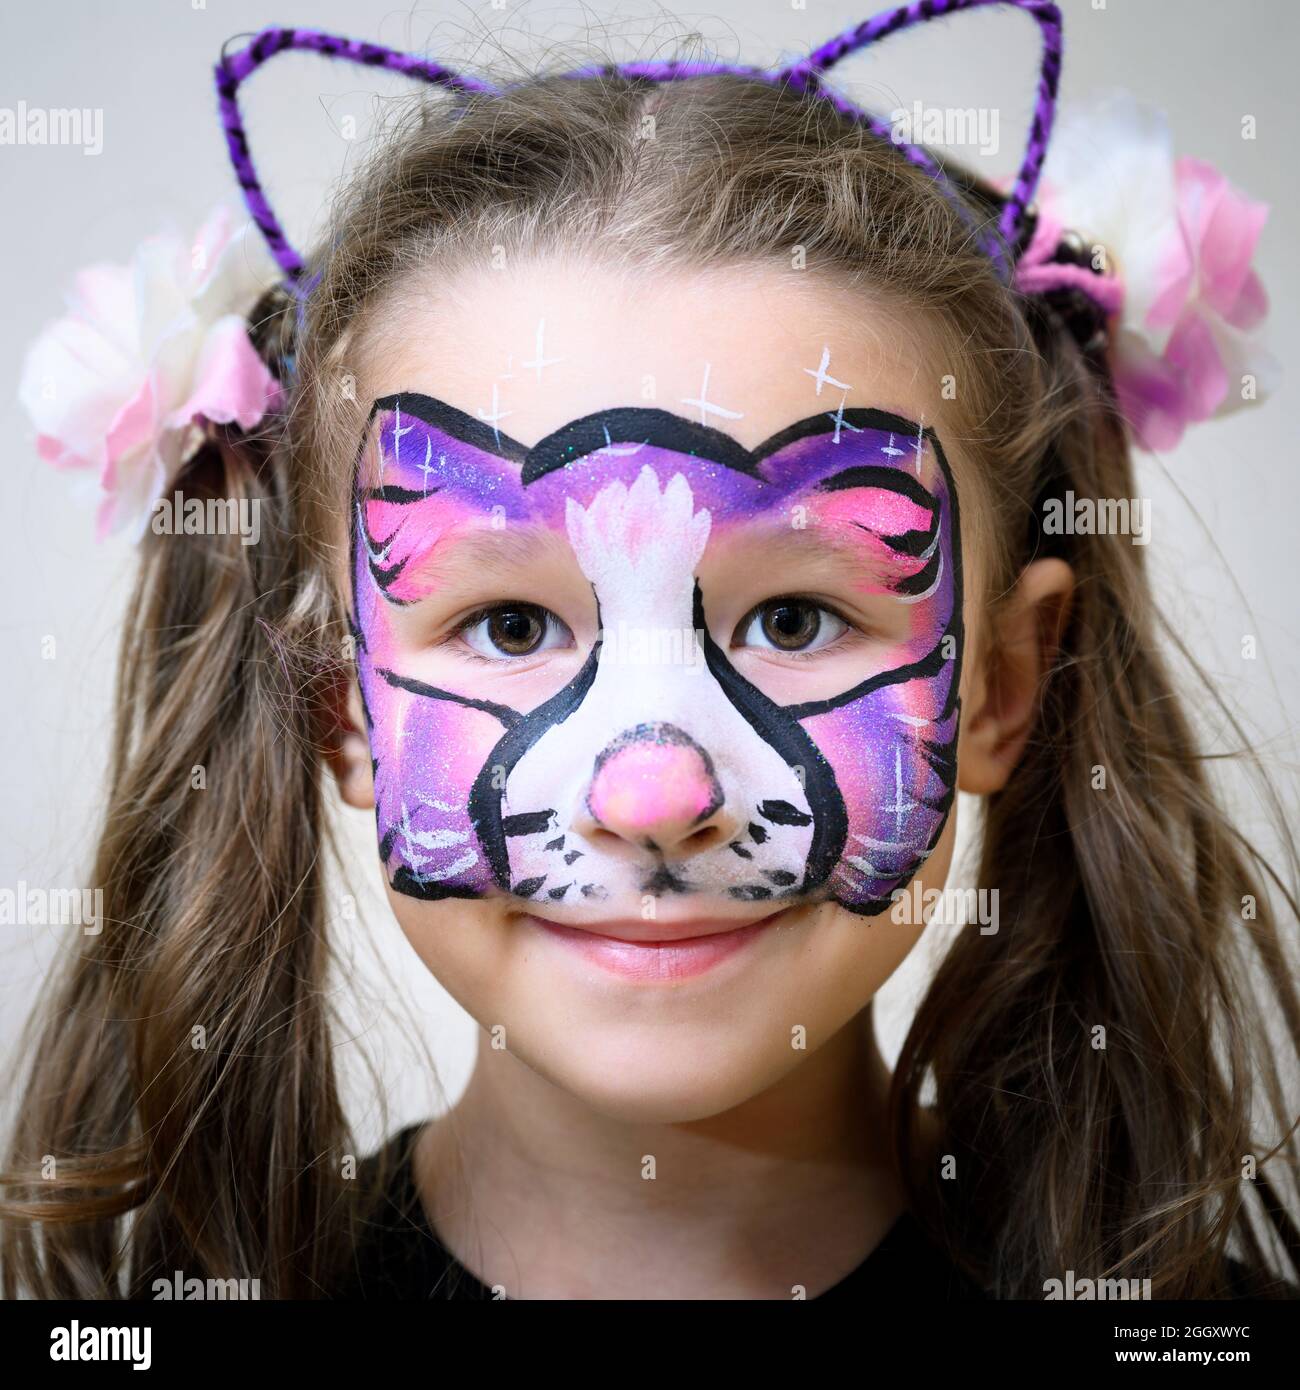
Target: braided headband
point(804, 76)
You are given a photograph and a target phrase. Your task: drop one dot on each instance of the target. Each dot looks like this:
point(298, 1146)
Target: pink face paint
point(841, 797)
point(653, 783)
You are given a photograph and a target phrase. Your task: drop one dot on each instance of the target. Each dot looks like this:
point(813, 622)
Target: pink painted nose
point(655, 784)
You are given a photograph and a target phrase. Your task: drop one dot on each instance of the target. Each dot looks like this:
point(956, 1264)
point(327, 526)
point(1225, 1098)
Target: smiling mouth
point(657, 952)
point(665, 931)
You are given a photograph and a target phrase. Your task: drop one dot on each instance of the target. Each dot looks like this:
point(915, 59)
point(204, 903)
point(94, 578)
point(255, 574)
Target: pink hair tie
point(1037, 273)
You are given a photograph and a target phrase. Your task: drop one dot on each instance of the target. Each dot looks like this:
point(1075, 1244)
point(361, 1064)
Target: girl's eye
point(514, 629)
point(790, 625)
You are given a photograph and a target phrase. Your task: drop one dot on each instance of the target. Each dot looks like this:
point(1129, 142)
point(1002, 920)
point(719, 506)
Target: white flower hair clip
point(122, 386)
point(1176, 285)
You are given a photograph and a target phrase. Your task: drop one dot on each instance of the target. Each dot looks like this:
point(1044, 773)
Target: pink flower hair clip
point(1175, 283)
point(123, 386)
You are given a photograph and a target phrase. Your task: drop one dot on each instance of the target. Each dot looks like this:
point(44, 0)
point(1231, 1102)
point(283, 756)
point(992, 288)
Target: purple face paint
point(843, 796)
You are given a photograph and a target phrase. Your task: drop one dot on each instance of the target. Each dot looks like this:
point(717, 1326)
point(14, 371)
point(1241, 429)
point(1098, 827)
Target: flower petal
point(73, 382)
point(1150, 392)
point(132, 431)
point(231, 383)
point(1194, 354)
point(1224, 228)
point(1251, 305)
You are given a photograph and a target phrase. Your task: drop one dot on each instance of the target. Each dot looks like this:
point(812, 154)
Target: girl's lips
point(663, 960)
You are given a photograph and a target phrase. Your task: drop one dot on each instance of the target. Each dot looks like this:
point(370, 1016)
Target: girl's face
point(657, 594)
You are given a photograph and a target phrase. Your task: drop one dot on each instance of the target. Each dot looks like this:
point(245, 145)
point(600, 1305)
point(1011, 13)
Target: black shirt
point(399, 1255)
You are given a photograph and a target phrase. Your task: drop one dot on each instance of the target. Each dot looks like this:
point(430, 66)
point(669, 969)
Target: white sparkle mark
point(426, 467)
point(541, 360)
point(821, 377)
point(919, 446)
point(882, 844)
point(495, 416)
point(706, 405)
point(458, 866)
point(398, 432)
point(890, 449)
point(914, 720)
point(901, 805)
point(434, 839)
point(840, 421)
point(618, 450)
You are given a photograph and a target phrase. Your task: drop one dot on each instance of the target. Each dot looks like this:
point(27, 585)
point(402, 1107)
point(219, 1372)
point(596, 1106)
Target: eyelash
point(471, 620)
point(821, 606)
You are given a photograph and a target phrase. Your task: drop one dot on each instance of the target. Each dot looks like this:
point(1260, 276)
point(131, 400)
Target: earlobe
point(1006, 682)
point(349, 754)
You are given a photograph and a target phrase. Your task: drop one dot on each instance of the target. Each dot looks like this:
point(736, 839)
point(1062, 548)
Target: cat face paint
point(842, 796)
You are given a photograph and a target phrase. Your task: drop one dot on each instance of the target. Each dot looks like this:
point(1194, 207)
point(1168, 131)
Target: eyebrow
point(862, 551)
point(796, 542)
point(488, 554)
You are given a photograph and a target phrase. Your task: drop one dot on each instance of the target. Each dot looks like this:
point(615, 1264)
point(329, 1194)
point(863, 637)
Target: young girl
point(655, 494)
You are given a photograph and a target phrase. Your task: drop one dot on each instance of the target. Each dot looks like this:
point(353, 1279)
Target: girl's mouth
point(652, 952)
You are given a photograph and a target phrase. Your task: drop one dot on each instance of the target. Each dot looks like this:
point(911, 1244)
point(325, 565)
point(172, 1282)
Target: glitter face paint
point(840, 797)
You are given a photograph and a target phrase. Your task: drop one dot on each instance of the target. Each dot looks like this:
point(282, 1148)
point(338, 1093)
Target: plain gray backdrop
point(1224, 503)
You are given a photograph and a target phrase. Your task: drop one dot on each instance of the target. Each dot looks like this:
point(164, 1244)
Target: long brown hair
point(1121, 909)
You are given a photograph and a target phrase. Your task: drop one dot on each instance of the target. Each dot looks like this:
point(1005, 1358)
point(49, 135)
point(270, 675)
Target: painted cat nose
point(654, 785)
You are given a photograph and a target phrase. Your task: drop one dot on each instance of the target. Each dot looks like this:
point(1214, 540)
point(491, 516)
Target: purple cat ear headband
point(1168, 306)
point(804, 76)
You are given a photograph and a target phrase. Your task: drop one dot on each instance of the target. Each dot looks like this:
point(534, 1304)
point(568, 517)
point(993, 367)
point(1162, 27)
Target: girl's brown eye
point(513, 630)
point(790, 625)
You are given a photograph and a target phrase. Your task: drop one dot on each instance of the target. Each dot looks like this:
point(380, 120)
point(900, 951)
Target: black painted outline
point(575, 440)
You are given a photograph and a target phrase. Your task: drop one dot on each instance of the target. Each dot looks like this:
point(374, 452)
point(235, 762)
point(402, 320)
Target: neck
point(535, 1190)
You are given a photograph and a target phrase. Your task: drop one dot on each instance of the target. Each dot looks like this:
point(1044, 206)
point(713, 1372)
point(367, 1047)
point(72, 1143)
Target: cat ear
point(807, 74)
point(235, 68)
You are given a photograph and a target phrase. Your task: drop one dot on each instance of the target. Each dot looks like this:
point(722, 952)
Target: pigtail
point(1096, 1060)
point(184, 1067)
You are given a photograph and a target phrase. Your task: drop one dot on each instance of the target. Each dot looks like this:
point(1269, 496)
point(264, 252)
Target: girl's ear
point(349, 753)
point(1021, 645)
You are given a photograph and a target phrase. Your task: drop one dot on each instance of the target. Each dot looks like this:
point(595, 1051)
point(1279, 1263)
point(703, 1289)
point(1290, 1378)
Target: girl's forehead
point(746, 348)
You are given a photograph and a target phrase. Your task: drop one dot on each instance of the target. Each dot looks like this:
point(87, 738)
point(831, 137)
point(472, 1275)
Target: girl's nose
point(655, 786)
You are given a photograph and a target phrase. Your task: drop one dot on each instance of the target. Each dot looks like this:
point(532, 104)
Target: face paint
point(843, 796)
